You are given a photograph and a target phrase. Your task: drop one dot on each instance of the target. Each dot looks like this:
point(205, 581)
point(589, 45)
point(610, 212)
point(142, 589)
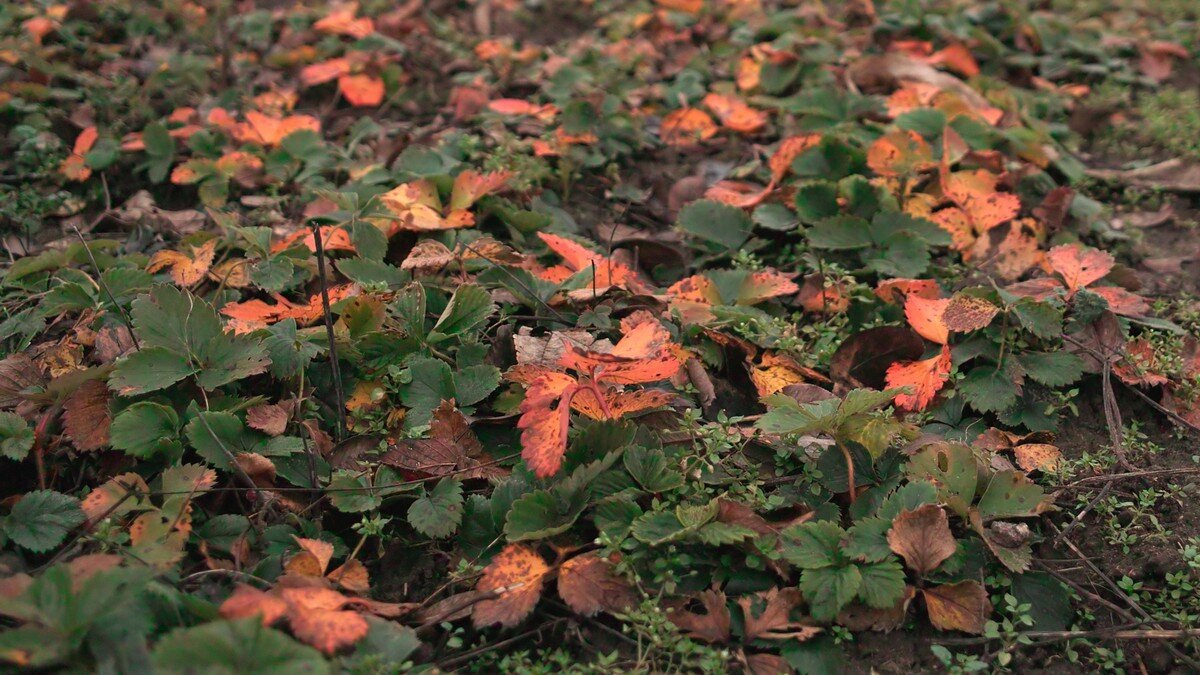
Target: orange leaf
point(1078, 265)
point(687, 127)
point(975, 193)
point(1140, 365)
point(589, 584)
point(248, 601)
point(186, 270)
point(74, 166)
point(1038, 456)
point(341, 21)
point(516, 575)
point(630, 402)
point(713, 626)
point(316, 618)
point(735, 114)
point(270, 131)
point(470, 186)
point(789, 149)
point(577, 258)
point(361, 90)
point(775, 372)
point(325, 71)
point(926, 378)
point(544, 429)
point(333, 238)
point(901, 152)
point(313, 558)
point(925, 317)
point(896, 291)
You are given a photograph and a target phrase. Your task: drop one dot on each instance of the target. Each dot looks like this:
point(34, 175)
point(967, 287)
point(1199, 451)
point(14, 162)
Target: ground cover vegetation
point(754, 336)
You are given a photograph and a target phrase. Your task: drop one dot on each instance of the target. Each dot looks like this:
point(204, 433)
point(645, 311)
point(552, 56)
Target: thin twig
point(111, 298)
point(334, 366)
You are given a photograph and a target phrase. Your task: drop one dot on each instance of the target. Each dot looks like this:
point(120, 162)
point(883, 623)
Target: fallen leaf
point(962, 606)
point(922, 537)
point(712, 626)
point(925, 378)
point(516, 575)
point(86, 418)
point(589, 584)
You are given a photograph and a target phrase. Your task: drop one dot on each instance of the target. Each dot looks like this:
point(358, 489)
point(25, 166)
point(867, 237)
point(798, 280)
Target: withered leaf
point(922, 537)
point(516, 575)
point(589, 584)
point(86, 417)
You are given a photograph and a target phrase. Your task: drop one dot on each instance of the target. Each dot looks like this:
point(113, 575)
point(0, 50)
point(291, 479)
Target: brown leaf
point(775, 623)
point(546, 351)
point(589, 584)
point(516, 574)
point(451, 448)
point(863, 359)
point(17, 373)
point(270, 419)
point(713, 626)
point(962, 606)
point(922, 537)
point(86, 418)
point(967, 313)
point(260, 469)
point(1145, 219)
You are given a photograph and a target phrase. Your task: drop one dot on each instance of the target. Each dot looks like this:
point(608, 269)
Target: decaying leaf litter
point(697, 334)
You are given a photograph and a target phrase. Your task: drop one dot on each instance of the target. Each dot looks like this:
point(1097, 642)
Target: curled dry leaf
point(515, 576)
point(186, 269)
point(589, 584)
point(1038, 456)
point(922, 537)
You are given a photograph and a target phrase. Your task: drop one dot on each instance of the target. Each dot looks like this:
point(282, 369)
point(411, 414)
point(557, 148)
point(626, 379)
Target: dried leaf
point(962, 606)
point(516, 575)
point(589, 584)
point(86, 418)
point(922, 537)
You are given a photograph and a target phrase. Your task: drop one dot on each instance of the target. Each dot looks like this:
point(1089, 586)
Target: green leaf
point(868, 540)
point(41, 519)
point(1053, 369)
point(651, 469)
point(174, 320)
point(16, 437)
point(229, 358)
point(829, 589)
point(432, 382)
point(145, 429)
point(369, 271)
point(468, 308)
point(816, 201)
point(952, 468)
point(722, 224)
point(988, 389)
point(438, 512)
point(474, 383)
point(722, 534)
point(1043, 319)
point(882, 583)
point(775, 217)
point(814, 544)
point(541, 514)
point(235, 648)
point(149, 369)
point(1010, 494)
point(289, 352)
point(350, 492)
point(840, 233)
point(208, 431)
point(657, 527)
